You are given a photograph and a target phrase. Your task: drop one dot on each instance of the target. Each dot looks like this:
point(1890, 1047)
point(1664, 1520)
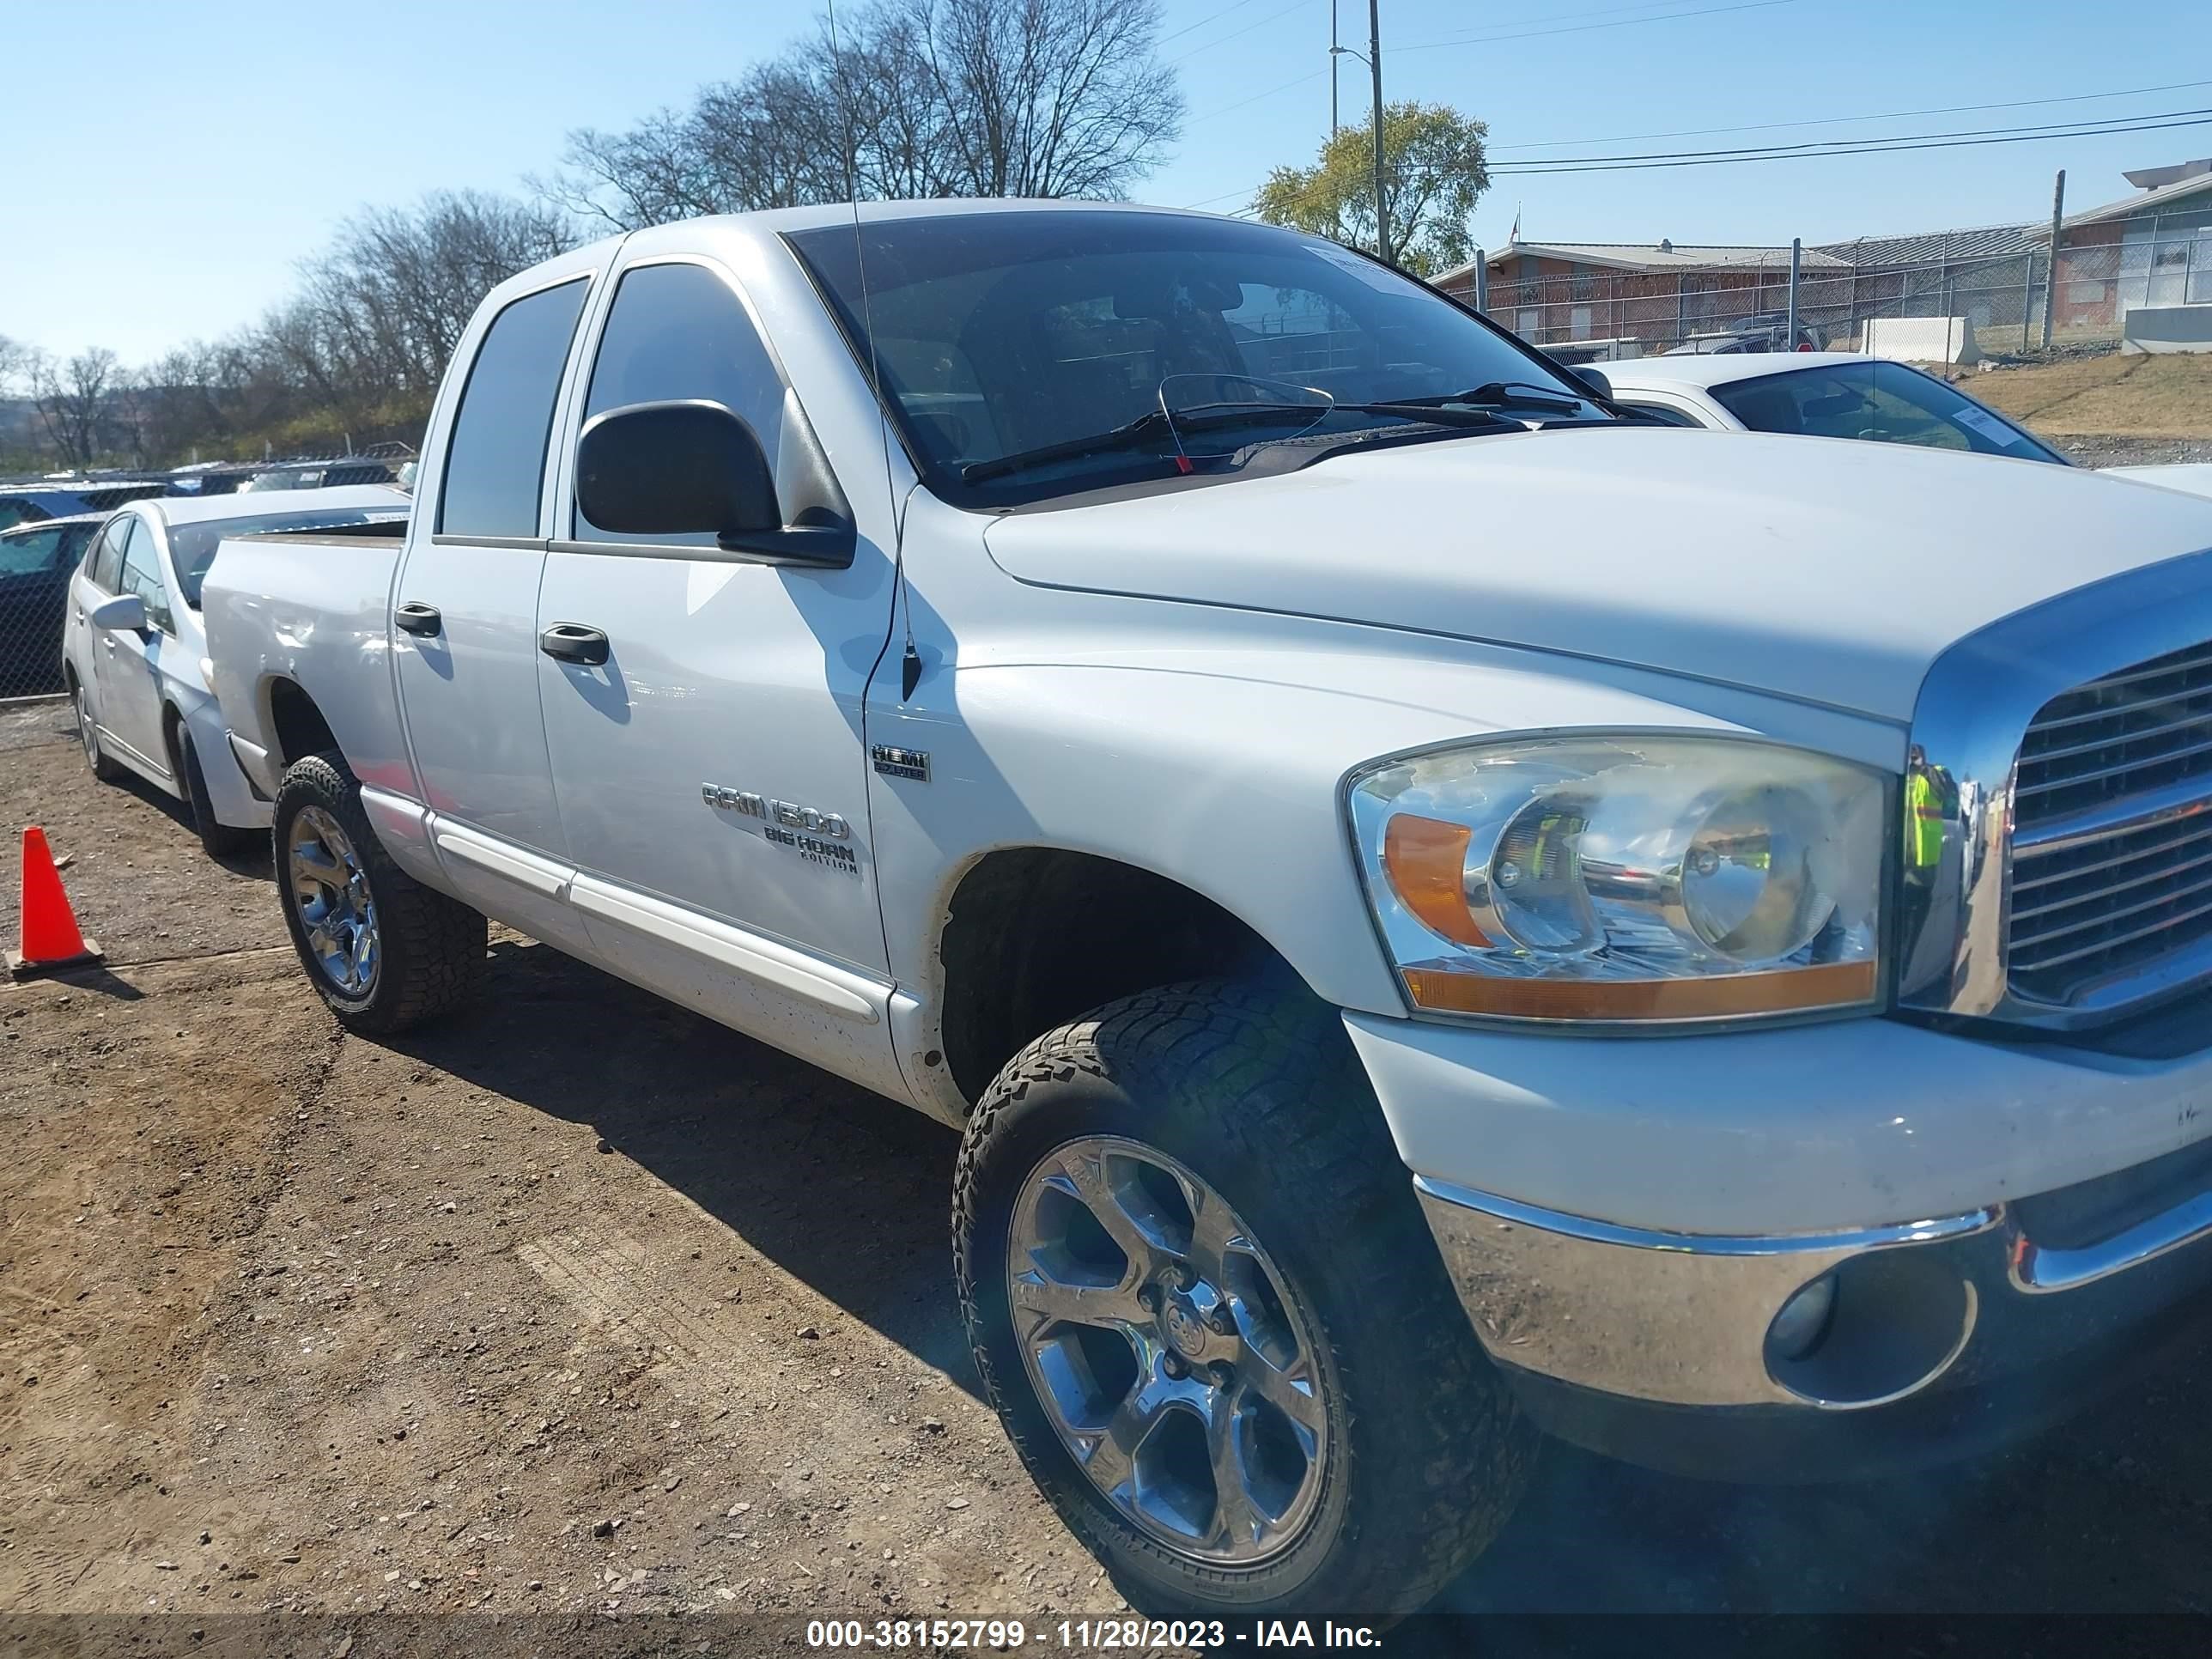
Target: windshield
point(193, 545)
point(1886, 402)
point(1005, 333)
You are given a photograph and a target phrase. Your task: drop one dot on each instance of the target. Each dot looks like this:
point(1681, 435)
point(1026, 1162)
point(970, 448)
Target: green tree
point(1433, 169)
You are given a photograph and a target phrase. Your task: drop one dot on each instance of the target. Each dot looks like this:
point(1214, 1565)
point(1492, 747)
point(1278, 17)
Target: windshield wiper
point(1132, 435)
point(1501, 394)
point(1128, 435)
point(1433, 411)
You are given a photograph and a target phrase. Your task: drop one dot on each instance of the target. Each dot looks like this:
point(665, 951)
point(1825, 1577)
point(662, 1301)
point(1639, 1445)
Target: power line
point(1258, 23)
point(1881, 144)
point(1304, 79)
point(2088, 127)
point(1177, 34)
point(1447, 41)
point(1241, 103)
point(1864, 147)
point(1838, 120)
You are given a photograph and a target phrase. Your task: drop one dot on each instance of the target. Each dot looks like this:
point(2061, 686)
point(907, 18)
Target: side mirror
point(1596, 380)
point(690, 466)
point(124, 614)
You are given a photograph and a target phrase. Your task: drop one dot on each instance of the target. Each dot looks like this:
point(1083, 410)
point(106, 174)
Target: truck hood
point(1830, 571)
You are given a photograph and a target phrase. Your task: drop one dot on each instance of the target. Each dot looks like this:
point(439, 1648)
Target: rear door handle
point(415, 617)
point(574, 642)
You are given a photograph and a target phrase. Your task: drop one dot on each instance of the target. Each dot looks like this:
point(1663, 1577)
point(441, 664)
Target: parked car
point(1775, 326)
point(2196, 476)
point(1434, 908)
point(319, 474)
point(1736, 343)
point(31, 503)
point(36, 560)
point(1820, 395)
point(134, 649)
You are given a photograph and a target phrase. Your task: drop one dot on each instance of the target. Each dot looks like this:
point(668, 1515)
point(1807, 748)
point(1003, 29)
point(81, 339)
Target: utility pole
point(2050, 278)
point(1375, 68)
point(1797, 259)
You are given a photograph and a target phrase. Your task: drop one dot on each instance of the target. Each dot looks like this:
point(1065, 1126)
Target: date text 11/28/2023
point(1085, 1635)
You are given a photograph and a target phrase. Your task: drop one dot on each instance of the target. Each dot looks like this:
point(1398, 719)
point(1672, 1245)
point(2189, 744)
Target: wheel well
point(1036, 936)
point(172, 722)
point(296, 724)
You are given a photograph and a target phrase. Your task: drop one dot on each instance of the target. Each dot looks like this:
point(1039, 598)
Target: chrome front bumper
point(1681, 1321)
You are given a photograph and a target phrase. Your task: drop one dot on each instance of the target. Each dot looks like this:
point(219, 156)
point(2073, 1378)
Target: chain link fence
point(1999, 282)
point(47, 524)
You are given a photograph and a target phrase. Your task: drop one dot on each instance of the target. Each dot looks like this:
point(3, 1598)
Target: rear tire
point(219, 840)
point(426, 954)
point(1414, 1450)
point(87, 731)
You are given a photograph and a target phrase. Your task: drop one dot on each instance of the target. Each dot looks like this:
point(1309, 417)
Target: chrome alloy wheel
point(1164, 1345)
point(329, 891)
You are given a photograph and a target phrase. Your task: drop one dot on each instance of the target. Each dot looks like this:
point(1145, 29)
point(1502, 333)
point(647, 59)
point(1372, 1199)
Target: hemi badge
point(894, 763)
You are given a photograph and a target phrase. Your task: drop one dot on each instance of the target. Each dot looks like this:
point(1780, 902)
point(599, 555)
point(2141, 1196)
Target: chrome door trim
point(755, 956)
point(1974, 707)
point(527, 869)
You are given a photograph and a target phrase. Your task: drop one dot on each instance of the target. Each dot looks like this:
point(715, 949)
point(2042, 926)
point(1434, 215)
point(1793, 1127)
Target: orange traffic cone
point(50, 938)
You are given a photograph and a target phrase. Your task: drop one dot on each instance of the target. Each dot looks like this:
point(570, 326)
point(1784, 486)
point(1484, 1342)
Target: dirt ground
point(579, 1305)
point(2109, 410)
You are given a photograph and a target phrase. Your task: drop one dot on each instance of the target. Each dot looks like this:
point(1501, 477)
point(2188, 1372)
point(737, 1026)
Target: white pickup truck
point(1435, 907)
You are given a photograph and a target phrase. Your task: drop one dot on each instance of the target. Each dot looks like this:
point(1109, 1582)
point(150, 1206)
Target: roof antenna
point(910, 659)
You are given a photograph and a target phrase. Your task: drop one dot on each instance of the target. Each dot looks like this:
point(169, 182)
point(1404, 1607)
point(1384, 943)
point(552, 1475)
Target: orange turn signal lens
point(1426, 862)
point(1721, 997)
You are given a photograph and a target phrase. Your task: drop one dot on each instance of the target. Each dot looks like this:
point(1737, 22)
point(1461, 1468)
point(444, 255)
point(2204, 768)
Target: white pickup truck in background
point(1435, 907)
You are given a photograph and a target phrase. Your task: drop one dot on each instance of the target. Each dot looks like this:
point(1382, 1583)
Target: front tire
point(385, 951)
point(1210, 1317)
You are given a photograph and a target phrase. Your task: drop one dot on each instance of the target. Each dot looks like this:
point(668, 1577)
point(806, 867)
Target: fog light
point(1803, 1321)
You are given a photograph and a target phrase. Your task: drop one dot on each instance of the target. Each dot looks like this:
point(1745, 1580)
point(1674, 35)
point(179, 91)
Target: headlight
point(1640, 878)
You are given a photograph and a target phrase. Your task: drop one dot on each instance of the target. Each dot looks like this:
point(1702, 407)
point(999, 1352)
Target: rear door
point(463, 636)
point(711, 772)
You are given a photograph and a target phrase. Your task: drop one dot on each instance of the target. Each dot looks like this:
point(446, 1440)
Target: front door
point(127, 662)
point(463, 630)
point(711, 773)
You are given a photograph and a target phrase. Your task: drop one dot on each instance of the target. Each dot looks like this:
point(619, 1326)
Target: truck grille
point(2113, 827)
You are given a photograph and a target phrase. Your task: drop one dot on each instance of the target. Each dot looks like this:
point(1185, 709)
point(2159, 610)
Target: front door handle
point(415, 617)
point(574, 642)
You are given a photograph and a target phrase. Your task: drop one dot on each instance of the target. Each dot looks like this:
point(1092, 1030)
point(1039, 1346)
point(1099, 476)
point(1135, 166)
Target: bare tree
point(911, 97)
point(69, 399)
point(384, 306)
point(14, 362)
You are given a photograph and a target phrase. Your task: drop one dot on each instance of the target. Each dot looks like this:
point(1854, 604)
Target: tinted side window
point(1882, 401)
point(678, 331)
point(1665, 412)
point(76, 538)
point(108, 558)
point(495, 459)
point(142, 574)
point(32, 550)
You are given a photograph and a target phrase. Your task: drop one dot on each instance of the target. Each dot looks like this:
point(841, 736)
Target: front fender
point(1220, 765)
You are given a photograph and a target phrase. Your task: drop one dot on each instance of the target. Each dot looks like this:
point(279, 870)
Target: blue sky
point(170, 163)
